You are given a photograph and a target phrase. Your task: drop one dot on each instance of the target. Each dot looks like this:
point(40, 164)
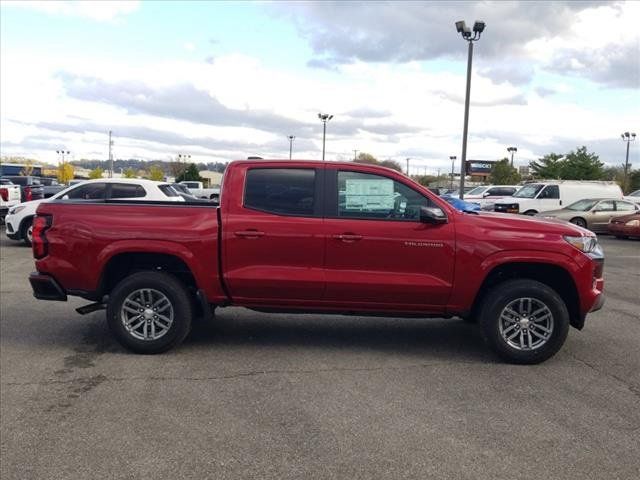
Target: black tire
point(530, 213)
point(168, 286)
point(579, 222)
point(501, 296)
point(25, 228)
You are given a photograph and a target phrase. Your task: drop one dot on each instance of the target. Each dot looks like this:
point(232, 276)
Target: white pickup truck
point(9, 196)
point(197, 190)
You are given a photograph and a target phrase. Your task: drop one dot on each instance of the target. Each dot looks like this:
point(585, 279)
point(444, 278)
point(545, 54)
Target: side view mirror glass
point(486, 194)
point(432, 215)
point(65, 197)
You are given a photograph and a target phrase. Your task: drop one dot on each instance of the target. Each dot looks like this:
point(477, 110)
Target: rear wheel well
point(124, 264)
point(552, 275)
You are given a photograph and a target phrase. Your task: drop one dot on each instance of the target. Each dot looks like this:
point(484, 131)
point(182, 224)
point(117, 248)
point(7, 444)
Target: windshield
point(529, 191)
point(635, 194)
point(582, 205)
point(477, 191)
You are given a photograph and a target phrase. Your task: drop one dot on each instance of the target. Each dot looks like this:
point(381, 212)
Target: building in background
point(211, 179)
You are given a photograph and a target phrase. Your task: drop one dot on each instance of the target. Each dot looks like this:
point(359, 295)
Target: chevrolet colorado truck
point(308, 236)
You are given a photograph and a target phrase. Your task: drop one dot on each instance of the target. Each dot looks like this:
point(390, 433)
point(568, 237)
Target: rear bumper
point(45, 287)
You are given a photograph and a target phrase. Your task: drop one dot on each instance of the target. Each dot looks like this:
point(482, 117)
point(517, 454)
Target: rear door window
point(91, 191)
point(625, 206)
point(283, 191)
point(126, 190)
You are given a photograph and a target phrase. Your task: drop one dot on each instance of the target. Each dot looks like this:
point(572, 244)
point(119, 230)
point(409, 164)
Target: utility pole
point(453, 159)
point(355, 155)
point(290, 137)
point(324, 118)
point(512, 150)
point(478, 28)
point(408, 166)
point(110, 156)
point(628, 138)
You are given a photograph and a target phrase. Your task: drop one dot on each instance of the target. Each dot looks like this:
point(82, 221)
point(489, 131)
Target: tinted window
point(502, 191)
point(367, 196)
point(20, 180)
point(625, 207)
point(288, 191)
point(92, 191)
point(191, 185)
point(551, 191)
point(126, 190)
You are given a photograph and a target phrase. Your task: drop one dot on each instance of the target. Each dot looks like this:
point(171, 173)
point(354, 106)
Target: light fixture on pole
point(469, 36)
point(291, 137)
point(453, 160)
point(512, 150)
point(324, 118)
point(628, 138)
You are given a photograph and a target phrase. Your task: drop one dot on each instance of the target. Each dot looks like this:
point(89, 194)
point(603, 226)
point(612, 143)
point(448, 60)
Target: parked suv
point(30, 187)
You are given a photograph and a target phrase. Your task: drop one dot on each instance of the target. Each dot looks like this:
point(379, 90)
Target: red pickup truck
point(306, 236)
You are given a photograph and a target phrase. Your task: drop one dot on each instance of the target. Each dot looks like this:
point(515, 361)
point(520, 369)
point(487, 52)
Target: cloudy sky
point(222, 81)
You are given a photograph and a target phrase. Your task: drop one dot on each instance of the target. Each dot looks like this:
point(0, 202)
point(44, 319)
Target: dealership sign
point(479, 167)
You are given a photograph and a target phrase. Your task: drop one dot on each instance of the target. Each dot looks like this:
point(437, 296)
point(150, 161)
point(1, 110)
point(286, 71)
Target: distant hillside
point(143, 165)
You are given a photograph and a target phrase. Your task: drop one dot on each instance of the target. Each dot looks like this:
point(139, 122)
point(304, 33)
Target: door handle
point(348, 237)
point(248, 234)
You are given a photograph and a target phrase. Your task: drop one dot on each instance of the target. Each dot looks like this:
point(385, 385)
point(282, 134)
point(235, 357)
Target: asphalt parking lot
point(307, 396)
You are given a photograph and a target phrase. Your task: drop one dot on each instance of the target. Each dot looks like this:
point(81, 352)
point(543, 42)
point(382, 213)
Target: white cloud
point(99, 10)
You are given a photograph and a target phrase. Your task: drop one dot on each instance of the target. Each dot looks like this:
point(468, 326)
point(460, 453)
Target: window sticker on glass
point(368, 195)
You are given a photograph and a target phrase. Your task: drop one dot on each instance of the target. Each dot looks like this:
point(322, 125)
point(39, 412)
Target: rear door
point(601, 214)
point(273, 241)
point(378, 254)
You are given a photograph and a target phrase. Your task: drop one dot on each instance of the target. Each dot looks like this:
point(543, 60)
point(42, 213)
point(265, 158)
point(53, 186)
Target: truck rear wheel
point(524, 321)
point(149, 312)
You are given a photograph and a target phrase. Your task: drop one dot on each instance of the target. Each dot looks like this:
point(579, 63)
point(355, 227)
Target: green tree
point(502, 173)
point(634, 181)
point(155, 173)
point(366, 158)
point(391, 164)
point(549, 166)
point(426, 180)
point(582, 165)
point(96, 173)
point(190, 173)
point(129, 173)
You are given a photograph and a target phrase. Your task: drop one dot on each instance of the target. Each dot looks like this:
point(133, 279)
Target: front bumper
point(45, 287)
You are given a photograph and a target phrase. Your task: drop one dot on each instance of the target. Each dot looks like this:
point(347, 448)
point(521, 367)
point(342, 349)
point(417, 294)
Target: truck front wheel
point(524, 321)
point(149, 312)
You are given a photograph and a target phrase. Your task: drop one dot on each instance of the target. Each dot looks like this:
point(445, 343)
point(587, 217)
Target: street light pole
point(512, 150)
point(628, 138)
point(453, 159)
point(290, 137)
point(324, 118)
point(110, 156)
point(408, 167)
point(478, 28)
point(355, 155)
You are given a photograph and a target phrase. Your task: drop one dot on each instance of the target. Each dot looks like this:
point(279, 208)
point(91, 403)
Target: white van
point(547, 195)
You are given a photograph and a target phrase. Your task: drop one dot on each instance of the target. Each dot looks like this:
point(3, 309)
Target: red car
point(624, 227)
point(306, 236)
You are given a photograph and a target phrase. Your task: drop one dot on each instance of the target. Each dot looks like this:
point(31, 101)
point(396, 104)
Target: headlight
point(16, 209)
point(633, 223)
point(584, 244)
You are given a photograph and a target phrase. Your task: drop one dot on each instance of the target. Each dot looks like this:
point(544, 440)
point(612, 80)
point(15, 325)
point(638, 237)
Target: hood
point(527, 224)
point(30, 206)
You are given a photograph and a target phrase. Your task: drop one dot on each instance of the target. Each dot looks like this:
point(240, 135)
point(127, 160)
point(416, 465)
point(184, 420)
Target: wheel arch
point(552, 275)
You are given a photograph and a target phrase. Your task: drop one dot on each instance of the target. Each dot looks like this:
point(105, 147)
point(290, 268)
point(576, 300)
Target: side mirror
point(65, 197)
point(485, 194)
point(432, 215)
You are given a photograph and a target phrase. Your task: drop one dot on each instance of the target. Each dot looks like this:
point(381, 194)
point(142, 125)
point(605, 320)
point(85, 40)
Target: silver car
point(593, 213)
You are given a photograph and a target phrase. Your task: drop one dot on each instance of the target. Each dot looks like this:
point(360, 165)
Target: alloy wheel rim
point(526, 324)
point(147, 314)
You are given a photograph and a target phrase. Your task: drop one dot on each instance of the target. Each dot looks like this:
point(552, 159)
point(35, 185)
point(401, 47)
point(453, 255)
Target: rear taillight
point(4, 194)
point(39, 242)
point(28, 195)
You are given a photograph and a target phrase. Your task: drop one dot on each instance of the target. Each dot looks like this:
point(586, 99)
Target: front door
point(273, 242)
point(378, 253)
